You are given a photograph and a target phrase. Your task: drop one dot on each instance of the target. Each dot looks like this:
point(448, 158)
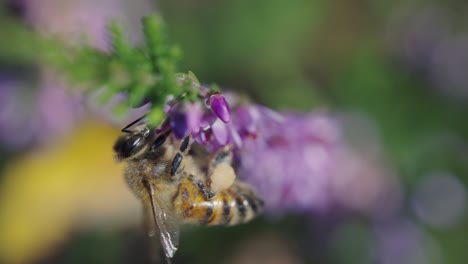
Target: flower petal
point(220, 132)
point(194, 115)
point(178, 124)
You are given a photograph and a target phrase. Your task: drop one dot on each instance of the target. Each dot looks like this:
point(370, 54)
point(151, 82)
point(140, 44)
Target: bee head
point(133, 144)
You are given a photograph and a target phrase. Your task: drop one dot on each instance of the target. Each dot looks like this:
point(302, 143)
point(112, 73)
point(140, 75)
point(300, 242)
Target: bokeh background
point(390, 77)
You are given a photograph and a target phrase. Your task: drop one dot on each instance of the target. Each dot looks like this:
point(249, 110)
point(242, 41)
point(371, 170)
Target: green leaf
point(120, 46)
point(155, 116)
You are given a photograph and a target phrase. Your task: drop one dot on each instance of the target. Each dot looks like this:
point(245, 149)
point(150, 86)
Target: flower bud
point(220, 107)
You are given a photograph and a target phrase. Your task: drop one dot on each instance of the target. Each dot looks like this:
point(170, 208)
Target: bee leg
point(223, 155)
point(220, 173)
point(183, 149)
point(204, 189)
point(159, 141)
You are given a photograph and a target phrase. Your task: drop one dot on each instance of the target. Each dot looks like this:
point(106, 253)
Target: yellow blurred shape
point(47, 192)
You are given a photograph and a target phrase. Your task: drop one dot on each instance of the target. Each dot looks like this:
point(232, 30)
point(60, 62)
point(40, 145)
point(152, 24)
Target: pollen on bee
point(222, 178)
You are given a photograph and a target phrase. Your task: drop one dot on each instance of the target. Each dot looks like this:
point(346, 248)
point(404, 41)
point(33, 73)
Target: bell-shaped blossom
point(220, 107)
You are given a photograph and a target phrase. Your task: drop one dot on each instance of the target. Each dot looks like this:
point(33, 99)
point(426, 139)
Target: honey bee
point(178, 186)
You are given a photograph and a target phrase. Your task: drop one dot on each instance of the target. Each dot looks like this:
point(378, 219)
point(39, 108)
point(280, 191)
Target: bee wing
point(152, 232)
point(167, 224)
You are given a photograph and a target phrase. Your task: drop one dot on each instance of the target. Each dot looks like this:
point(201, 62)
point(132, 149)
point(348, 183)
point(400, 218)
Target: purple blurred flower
point(52, 111)
point(423, 39)
point(286, 157)
point(71, 20)
point(363, 180)
point(37, 115)
point(440, 200)
point(414, 34)
point(298, 162)
point(301, 162)
point(448, 66)
point(401, 241)
point(14, 129)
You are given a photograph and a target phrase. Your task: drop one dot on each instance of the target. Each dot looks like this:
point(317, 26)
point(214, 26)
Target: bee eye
point(128, 146)
point(131, 143)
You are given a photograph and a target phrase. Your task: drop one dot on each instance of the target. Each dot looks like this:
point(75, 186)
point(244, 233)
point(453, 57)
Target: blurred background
point(389, 78)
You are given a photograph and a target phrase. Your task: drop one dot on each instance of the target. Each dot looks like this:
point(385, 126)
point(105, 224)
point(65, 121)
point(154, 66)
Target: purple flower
point(209, 125)
point(301, 162)
point(220, 107)
point(298, 162)
point(89, 18)
point(178, 123)
point(287, 157)
point(220, 132)
point(53, 112)
point(247, 119)
point(194, 117)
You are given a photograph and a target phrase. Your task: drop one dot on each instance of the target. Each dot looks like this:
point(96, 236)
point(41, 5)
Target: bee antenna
point(125, 129)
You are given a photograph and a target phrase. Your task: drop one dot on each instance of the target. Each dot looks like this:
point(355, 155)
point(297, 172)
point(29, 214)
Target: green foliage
point(409, 117)
point(259, 47)
point(146, 73)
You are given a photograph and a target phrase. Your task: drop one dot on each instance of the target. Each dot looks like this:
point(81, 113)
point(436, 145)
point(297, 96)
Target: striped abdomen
point(235, 205)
